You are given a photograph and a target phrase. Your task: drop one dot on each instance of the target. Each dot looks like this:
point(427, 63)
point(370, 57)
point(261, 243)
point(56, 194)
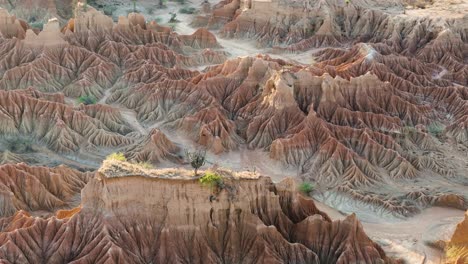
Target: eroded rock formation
point(59, 126)
point(388, 112)
point(137, 219)
point(39, 190)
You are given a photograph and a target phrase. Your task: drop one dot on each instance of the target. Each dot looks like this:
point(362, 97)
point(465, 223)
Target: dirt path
point(107, 93)
point(130, 117)
point(408, 238)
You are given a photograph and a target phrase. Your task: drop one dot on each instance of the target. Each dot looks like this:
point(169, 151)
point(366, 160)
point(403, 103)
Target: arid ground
point(365, 100)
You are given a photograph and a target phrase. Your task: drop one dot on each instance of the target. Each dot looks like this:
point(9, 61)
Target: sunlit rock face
point(457, 248)
point(147, 218)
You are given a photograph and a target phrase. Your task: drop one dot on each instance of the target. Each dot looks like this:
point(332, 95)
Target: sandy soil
point(408, 238)
point(441, 8)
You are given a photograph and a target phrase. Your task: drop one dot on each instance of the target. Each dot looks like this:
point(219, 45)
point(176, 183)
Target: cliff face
point(138, 219)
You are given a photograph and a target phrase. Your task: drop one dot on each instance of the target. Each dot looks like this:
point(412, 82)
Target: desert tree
point(196, 158)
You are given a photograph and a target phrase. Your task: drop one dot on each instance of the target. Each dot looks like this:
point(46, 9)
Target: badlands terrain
point(365, 100)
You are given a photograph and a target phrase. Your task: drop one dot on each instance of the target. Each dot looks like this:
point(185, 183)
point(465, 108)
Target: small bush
point(306, 188)
point(173, 18)
point(38, 25)
point(187, 10)
point(117, 156)
point(211, 179)
point(145, 165)
point(436, 129)
point(87, 100)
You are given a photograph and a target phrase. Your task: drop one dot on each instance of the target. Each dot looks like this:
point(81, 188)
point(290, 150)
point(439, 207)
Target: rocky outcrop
point(136, 219)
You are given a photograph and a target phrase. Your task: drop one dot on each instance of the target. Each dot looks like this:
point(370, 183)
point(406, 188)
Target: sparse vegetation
point(19, 145)
point(161, 3)
point(37, 25)
point(187, 10)
point(36, 16)
point(87, 100)
point(197, 159)
point(150, 10)
point(211, 179)
point(436, 129)
point(158, 20)
point(173, 18)
point(145, 165)
point(306, 188)
point(119, 156)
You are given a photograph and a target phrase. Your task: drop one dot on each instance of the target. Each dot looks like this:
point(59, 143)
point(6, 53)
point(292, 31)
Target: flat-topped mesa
point(140, 218)
point(173, 207)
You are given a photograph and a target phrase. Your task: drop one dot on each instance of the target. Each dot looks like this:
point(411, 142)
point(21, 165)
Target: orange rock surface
point(457, 247)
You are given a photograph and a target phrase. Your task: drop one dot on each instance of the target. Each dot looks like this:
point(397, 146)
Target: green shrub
point(38, 25)
point(173, 18)
point(116, 156)
point(211, 179)
point(187, 10)
point(436, 129)
point(145, 165)
point(306, 188)
point(87, 99)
